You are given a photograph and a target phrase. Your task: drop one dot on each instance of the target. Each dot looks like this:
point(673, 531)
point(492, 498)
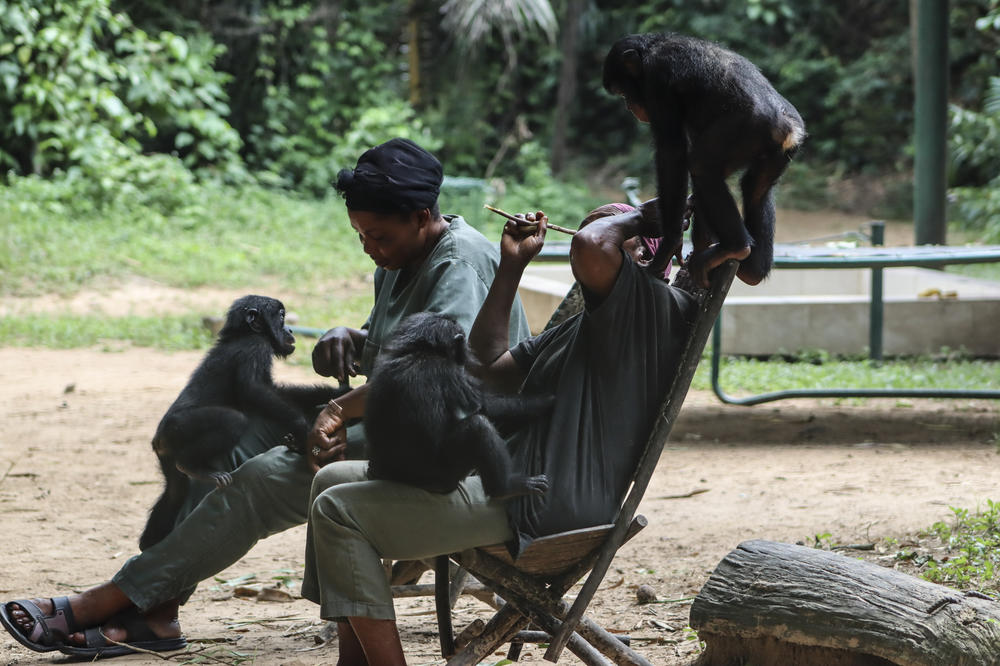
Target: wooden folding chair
point(531, 588)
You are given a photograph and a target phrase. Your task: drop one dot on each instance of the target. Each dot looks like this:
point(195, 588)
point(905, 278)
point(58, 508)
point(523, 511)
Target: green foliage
point(215, 235)
point(769, 11)
point(323, 91)
point(375, 125)
point(975, 143)
point(978, 208)
point(531, 187)
point(975, 153)
point(817, 369)
point(973, 541)
point(82, 89)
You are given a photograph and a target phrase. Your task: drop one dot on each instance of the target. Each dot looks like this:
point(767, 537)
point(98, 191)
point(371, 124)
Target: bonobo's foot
point(702, 263)
point(749, 275)
point(220, 479)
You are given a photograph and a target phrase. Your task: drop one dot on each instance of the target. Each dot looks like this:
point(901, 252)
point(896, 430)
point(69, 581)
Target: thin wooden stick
point(522, 222)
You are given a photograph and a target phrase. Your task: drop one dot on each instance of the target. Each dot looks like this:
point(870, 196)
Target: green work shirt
point(453, 280)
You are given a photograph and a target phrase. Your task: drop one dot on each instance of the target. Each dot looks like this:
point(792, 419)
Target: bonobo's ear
point(633, 62)
point(458, 347)
point(253, 320)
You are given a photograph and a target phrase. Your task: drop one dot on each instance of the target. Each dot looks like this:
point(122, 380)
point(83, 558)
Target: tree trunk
point(774, 603)
point(567, 82)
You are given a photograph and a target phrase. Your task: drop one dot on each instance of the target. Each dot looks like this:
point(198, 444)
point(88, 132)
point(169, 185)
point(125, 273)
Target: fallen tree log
point(775, 603)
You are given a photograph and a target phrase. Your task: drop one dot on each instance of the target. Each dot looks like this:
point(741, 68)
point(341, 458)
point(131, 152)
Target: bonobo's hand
point(333, 355)
point(531, 485)
point(327, 441)
point(688, 212)
point(520, 243)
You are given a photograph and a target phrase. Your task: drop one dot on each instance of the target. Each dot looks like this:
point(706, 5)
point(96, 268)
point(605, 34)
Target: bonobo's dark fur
point(712, 113)
point(209, 416)
point(428, 420)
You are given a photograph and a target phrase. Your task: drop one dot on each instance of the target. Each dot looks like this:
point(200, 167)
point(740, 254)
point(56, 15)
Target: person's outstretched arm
point(488, 338)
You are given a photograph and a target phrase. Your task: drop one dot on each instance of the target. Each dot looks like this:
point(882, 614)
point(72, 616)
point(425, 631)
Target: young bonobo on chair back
point(533, 586)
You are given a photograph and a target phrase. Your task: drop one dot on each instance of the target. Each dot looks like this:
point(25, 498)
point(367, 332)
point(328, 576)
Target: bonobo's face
point(284, 341)
point(259, 315)
point(392, 240)
point(637, 109)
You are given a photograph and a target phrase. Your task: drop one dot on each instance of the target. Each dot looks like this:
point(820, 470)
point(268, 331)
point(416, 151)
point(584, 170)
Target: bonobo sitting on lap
point(428, 420)
point(231, 385)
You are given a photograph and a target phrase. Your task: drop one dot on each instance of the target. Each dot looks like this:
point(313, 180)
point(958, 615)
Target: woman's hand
point(520, 243)
point(334, 354)
point(327, 441)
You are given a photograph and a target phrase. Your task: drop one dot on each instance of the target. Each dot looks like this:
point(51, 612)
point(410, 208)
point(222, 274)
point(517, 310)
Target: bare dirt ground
point(77, 477)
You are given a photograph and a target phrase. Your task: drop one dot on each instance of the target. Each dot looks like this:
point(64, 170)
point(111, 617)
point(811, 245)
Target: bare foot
point(701, 264)
point(162, 621)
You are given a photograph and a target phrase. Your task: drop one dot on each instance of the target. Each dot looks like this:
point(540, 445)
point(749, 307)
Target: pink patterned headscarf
point(650, 242)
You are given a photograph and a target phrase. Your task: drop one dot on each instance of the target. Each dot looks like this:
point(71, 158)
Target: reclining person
point(609, 368)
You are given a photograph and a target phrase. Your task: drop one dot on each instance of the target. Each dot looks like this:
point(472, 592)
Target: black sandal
point(139, 638)
point(49, 632)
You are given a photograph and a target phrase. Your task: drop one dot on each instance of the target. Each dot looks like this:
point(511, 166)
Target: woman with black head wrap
point(425, 261)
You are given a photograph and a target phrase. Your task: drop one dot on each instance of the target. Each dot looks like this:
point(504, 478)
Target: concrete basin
point(808, 309)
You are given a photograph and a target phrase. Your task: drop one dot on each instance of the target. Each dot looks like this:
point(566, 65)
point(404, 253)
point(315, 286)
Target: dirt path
point(77, 477)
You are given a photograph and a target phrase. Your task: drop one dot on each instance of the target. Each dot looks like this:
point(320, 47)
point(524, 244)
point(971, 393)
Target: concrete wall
point(796, 309)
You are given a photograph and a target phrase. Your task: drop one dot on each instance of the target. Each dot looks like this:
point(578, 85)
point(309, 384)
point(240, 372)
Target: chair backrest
point(709, 306)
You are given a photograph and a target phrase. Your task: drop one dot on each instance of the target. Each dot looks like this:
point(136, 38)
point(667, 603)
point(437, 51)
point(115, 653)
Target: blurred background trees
point(144, 98)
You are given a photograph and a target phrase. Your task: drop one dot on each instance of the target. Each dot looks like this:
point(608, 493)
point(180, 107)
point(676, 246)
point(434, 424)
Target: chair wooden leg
point(458, 581)
point(548, 612)
point(442, 602)
point(499, 630)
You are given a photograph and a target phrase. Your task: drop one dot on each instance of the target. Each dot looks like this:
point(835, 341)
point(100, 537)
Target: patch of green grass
point(819, 370)
point(973, 542)
point(174, 331)
point(170, 332)
point(226, 237)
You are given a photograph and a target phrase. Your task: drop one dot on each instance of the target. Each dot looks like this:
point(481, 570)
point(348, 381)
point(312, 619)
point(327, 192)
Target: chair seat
point(553, 555)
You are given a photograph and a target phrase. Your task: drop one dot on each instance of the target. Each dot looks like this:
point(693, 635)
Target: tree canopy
point(289, 91)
